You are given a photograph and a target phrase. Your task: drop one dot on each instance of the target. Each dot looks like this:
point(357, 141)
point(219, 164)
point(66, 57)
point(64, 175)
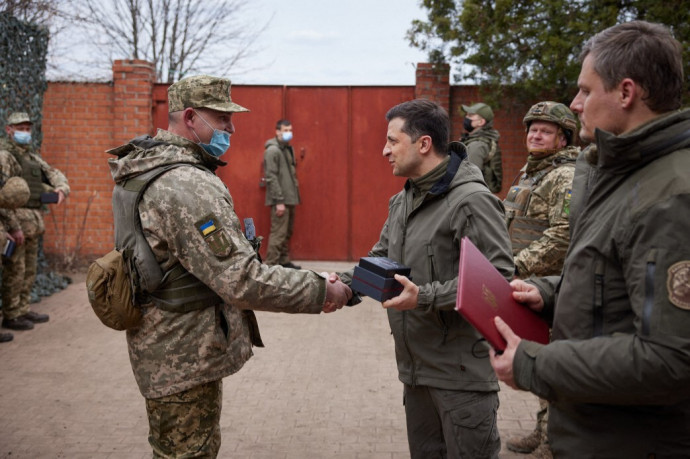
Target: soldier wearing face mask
point(282, 193)
point(25, 224)
point(198, 324)
point(481, 140)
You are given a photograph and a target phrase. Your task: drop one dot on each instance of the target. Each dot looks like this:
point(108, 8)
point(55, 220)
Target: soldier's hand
point(407, 299)
point(17, 236)
point(280, 210)
point(337, 294)
point(61, 197)
point(527, 294)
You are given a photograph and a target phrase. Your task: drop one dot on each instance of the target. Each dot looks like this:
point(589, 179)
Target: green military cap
point(480, 109)
point(202, 91)
point(17, 118)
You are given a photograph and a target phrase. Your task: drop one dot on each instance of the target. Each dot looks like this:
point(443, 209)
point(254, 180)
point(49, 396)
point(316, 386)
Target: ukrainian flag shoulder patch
point(212, 231)
point(207, 225)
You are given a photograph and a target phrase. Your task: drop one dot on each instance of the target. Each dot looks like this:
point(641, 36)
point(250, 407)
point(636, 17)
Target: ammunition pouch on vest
point(176, 290)
point(524, 230)
point(33, 175)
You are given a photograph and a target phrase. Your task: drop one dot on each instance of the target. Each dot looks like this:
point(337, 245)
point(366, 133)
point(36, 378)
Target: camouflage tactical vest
point(525, 230)
point(176, 290)
point(33, 175)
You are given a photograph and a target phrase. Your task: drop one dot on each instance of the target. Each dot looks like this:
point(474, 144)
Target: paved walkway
point(323, 387)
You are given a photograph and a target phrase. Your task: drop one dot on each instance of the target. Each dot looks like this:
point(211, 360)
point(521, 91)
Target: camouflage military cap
point(202, 91)
point(553, 112)
point(17, 118)
point(480, 109)
point(14, 194)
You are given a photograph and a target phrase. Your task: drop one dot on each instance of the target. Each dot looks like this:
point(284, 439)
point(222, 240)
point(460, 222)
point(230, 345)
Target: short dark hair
point(424, 117)
point(281, 123)
point(645, 52)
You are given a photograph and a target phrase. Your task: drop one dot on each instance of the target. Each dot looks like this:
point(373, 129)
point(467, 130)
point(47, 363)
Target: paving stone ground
point(324, 386)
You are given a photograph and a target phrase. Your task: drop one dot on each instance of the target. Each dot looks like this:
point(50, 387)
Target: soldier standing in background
point(198, 325)
point(46, 184)
point(481, 140)
point(537, 213)
point(14, 194)
point(282, 194)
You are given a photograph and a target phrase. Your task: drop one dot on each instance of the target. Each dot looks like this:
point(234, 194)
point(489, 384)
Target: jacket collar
point(457, 153)
point(654, 139)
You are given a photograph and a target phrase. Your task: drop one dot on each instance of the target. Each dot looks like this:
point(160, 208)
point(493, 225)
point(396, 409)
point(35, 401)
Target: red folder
point(483, 293)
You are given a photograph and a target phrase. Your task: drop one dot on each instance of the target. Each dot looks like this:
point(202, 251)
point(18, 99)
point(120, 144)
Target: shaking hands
point(337, 293)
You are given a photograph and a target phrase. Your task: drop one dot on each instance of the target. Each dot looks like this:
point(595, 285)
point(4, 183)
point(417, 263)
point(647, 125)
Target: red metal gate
point(345, 182)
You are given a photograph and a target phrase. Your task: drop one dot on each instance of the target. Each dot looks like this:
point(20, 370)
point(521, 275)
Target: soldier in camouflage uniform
point(180, 356)
point(14, 194)
point(26, 223)
point(537, 213)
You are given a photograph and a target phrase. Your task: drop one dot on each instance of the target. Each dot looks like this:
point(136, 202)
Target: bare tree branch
point(178, 36)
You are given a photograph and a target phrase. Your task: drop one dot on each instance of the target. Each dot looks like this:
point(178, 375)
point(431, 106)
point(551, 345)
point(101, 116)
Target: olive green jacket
point(618, 370)
point(479, 145)
point(434, 345)
point(282, 186)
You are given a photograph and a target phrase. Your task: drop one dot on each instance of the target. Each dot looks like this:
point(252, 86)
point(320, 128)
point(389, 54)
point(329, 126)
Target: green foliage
point(530, 48)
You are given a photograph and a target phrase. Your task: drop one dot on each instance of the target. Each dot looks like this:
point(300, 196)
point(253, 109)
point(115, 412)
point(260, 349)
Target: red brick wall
point(80, 122)
point(83, 120)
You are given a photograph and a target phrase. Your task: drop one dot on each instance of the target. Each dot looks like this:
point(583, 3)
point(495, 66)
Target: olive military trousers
point(451, 423)
point(281, 231)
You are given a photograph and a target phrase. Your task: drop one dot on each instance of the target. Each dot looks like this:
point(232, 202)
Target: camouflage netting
point(24, 48)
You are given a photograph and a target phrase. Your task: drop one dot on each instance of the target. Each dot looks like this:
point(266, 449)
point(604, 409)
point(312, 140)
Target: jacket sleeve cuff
point(524, 363)
point(425, 298)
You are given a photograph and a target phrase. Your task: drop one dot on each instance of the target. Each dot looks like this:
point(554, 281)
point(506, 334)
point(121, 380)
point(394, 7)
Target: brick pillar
point(433, 83)
point(132, 99)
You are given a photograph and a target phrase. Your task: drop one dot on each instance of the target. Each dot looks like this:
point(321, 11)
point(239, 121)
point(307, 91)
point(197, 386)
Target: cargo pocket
point(476, 432)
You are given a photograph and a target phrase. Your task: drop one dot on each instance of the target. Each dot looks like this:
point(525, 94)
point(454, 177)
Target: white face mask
point(22, 137)
point(287, 136)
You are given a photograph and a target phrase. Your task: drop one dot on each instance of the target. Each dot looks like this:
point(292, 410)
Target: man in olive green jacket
point(617, 373)
point(282, 194)
point(450, 391)
point(481, 140)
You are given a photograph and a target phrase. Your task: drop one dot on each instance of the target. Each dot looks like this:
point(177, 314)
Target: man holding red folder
point(617, 372)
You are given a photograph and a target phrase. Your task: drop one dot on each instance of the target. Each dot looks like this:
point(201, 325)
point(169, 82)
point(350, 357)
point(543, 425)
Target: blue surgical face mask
point(287, 136)
point(220, 141)
point(22, 137)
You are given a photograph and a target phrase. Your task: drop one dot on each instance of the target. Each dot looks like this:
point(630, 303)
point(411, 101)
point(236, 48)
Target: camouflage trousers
point(18, 275)
point(281, 232)
point(186, 424)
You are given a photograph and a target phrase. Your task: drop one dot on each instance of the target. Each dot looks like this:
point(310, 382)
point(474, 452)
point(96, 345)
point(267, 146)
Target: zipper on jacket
point(648, 306)
point(432, 278)
point(598, 300)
